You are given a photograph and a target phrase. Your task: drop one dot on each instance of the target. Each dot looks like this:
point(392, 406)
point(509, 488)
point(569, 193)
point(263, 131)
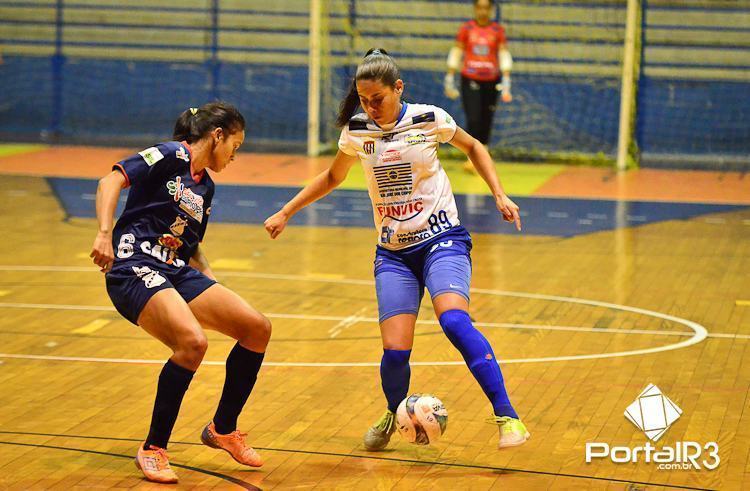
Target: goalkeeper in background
point(481, 55)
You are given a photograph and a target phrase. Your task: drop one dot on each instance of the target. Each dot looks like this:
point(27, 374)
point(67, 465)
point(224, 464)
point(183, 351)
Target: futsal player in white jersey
point(420, 239)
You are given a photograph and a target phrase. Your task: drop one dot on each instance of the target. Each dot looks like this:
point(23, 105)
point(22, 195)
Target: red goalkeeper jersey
point(481, 45)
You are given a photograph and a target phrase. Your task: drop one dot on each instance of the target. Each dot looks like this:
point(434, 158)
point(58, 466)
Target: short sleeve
point(446, 125)
point(463, 34)
point(501, 36)
point(345, 143)
point(138, 167)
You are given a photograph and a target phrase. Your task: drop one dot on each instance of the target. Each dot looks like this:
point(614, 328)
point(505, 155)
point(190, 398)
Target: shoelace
point(237, 434)
point(386, 421)
point(162, 457)
point(498, 420)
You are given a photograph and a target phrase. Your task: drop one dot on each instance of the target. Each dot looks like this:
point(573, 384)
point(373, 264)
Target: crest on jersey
point(182, 154)
point(178, 227)
point(170, 243)
point(368, 147)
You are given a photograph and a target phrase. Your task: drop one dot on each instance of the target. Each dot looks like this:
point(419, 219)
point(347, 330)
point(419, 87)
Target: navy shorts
point(132, 283)
point(442, 264)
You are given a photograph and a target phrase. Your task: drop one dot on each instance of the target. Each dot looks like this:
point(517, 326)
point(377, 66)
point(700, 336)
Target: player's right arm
point(321, 185)
point(107, 194)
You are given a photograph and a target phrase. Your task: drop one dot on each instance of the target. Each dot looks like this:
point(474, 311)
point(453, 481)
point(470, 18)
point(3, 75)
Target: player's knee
point(264, 329)
point(193, 348)
point(454, 322)
point(257, 331)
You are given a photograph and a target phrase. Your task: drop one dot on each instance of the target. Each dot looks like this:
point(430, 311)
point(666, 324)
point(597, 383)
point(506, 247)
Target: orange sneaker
point(233, 444)
point(154, 463)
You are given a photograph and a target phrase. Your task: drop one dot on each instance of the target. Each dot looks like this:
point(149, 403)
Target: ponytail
point(348, 104)
point(377, 65)
point(194, 123)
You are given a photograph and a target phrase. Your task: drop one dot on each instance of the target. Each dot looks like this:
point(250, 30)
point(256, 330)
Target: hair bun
point(376, 51)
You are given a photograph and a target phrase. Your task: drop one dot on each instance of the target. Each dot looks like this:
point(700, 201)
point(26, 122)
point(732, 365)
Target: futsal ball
point(421, 419)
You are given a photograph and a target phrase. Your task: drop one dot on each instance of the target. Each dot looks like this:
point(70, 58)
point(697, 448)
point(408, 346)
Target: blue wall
point(115, 74)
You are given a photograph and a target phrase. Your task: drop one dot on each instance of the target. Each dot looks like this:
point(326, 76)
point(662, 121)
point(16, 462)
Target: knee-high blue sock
point(480, 358)
point(394, 376)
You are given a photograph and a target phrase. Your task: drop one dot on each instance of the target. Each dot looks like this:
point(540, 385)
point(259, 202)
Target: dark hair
point(194, 123)
point(377, 65)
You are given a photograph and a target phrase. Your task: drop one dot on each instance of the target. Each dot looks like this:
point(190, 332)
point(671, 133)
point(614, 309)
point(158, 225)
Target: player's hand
point(449, 84)
point(509, 209)
point(102, 251)
point(275, 223)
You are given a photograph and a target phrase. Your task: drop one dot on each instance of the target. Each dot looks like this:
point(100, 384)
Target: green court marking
point(10, 149)
point(517, 179)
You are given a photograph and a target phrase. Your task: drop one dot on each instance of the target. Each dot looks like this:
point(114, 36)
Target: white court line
point(353, 319)
point(699, 332)
point(348, 322)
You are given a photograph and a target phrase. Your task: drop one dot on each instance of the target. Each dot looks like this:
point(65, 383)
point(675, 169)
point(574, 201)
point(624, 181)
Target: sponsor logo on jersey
point(169, 243)
point(190, 203)
point(368, 147)
point(388, 137)
point(390, 156)
point(414, 236)
point(182, 154)
point(416, 139)
point(178, 227)
point(402, 211)
point(385, 234)
point(151, 155)
point(481, 49)
point(393, 176)
point(163, 254)
point(150, 278)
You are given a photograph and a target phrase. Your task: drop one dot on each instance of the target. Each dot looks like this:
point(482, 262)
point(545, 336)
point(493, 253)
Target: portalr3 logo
point(654, 413)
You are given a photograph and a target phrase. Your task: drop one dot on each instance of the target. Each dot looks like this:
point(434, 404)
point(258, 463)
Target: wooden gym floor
point(582, 323)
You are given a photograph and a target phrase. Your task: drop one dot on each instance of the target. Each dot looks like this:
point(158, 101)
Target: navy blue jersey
point(167, 209)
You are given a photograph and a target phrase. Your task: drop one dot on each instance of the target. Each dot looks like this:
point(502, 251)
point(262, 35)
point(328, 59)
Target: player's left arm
point(200, 262)
point(482, 160)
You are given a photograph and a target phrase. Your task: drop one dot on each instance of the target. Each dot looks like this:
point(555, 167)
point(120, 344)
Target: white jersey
point(412, 199)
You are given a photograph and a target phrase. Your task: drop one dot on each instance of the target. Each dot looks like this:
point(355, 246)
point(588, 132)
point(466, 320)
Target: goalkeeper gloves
point(451, 91)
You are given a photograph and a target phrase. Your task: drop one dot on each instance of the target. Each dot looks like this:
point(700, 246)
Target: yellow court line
point(92, 326)
point(742, 303)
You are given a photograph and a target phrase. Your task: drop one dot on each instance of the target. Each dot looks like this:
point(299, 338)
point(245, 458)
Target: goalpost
point(627, 92)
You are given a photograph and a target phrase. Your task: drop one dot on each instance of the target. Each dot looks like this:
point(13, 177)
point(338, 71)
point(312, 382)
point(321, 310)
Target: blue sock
point(480, 358)
point(394, 376)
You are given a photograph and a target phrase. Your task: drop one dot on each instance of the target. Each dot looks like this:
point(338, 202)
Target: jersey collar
point(196, 176)
point(398, 120)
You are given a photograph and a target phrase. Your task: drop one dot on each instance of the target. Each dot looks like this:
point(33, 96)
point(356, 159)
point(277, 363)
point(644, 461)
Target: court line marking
point(233, 480)
point(352, 319)
point(358, 456)
point(699, 332)
point(92, 326)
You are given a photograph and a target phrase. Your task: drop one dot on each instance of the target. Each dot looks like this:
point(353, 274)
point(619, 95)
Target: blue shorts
point(442, 264)
point(132, 283)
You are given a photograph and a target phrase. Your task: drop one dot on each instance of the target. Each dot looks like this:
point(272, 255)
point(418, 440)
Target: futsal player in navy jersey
point(421, 240)
point(158, 277)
